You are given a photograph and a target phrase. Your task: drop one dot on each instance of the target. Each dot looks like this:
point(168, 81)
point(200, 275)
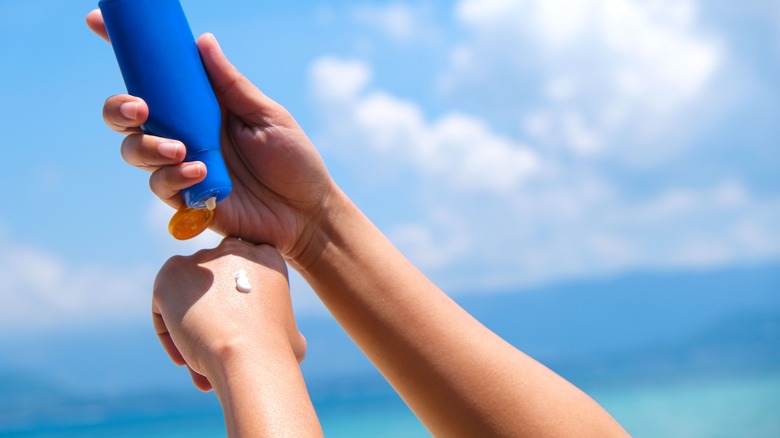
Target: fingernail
point(212, 37)
point(169, 149)
point(129, 110)
point(216, 50)
point(192, 170)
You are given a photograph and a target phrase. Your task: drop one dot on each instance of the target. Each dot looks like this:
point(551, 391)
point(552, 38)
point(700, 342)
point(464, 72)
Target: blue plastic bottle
point(160, 63)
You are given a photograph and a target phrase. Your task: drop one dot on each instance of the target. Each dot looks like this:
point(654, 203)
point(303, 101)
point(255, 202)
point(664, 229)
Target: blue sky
point(499, 143)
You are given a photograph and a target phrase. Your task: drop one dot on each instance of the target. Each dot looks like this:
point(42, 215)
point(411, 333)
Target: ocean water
point(731, 407)
point(742, 406)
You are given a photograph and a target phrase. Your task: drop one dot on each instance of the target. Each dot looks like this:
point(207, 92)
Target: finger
point(95, 22)
point(200, 381)
point(234, 90)
point(149, 153)
point(166, 182)
point(166, 340)
point(125, 114)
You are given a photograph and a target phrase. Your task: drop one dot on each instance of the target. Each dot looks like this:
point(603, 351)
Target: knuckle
point(111, 107)
point(167, 270)
point(157, 183)
point(161, 182)
point(128, 148)
point(176, 262)
point(154, 181)
point(109, 103)
point(266, 250)
point(203, 254)
point(232, 245)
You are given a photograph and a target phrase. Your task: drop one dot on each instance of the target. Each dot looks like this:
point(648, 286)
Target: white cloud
point(669, 205)
point(755, 238)
point(388, 124)
point(702, 253)
point(42, 291)
point(566, 228)
point(594, 86)
point(337, 81)
point(483, 13)
point(695, 228)
point(401, 22)
point(457, 148)
point(396, 19)
point(730, 194)
point(633, 67)
point(465, 149)
point(560, 89)
point(612, 248)
point(579, 136)
point(685, 227)
point(676, 203)
point(433, 245)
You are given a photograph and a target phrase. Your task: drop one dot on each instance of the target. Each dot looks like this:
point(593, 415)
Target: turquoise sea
point(737, 406)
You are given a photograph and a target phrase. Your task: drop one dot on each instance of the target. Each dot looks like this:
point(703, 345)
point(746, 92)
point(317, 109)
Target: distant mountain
point(625, 313)
point(582, 320)
point(629, 327)
point(744, 344)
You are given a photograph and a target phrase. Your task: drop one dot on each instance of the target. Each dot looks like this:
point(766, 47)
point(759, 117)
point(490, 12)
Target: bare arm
point(264, 396)
point(460, 378)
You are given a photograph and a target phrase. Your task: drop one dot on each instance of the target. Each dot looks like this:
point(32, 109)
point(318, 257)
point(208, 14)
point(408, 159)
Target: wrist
point(321, 230)
point(251, 385)
point(233, 358)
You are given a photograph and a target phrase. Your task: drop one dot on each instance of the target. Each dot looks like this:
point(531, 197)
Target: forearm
point(264, 395)
point(457, 376)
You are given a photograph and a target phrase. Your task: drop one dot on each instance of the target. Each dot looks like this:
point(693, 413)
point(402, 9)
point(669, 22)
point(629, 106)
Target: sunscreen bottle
point(160, 63)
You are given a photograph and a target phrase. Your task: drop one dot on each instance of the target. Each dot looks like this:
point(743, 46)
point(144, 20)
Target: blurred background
point(598, 181)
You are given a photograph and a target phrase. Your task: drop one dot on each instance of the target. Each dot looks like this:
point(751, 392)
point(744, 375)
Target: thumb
point(233, 90)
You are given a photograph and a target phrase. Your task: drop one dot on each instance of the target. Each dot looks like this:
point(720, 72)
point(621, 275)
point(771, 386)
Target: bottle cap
point(189, 222)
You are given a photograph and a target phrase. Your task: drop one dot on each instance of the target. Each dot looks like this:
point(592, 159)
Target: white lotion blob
point(211, 203)
point(242, 282)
